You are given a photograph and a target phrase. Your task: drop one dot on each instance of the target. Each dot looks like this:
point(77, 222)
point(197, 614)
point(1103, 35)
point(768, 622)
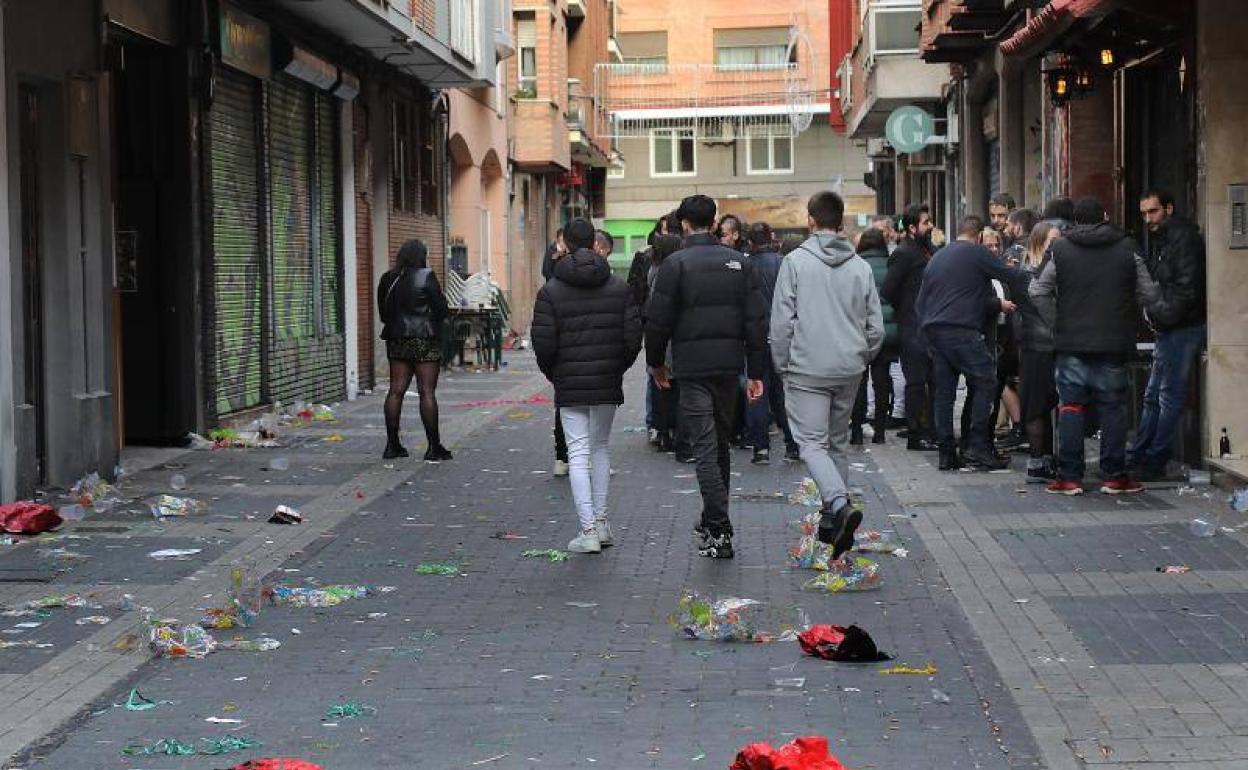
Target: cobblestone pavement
point(1056, 643)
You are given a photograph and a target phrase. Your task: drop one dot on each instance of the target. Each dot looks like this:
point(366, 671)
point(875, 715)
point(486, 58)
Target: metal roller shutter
point(237, 275)
point(327, 216)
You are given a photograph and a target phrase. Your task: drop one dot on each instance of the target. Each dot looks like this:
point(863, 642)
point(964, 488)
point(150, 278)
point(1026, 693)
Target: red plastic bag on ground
point(810, 752)
point(277, 763)
point(28, 518)
point(847, 645)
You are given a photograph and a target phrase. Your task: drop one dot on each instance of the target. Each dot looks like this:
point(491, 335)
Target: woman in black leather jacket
point(412, 309)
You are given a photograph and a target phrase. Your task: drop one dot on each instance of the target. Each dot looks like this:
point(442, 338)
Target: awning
point(1051, 21)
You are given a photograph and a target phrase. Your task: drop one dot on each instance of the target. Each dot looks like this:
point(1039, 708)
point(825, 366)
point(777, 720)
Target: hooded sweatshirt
point(826, 322)
point(586, 331)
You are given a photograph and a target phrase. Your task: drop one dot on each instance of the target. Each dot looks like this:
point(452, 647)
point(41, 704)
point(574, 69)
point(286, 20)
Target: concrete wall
point(46, 44)
point(1222, 60)
point(478, 149)
point(822, 160)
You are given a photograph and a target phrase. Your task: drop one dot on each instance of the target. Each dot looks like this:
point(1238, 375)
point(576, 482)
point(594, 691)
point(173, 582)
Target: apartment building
point(732, 101)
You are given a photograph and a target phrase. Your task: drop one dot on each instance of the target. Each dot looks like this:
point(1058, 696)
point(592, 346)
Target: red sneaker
point(1060, 487)
point(1123, 485)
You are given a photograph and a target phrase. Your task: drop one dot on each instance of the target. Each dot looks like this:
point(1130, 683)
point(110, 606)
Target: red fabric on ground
point(28, 518)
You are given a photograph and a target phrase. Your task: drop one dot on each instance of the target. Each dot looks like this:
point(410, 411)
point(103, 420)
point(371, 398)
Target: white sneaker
point(561, 468)
point(586, 542)
point(603, 529)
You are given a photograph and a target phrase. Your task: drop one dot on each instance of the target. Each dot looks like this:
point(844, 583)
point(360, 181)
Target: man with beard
point(901, 290)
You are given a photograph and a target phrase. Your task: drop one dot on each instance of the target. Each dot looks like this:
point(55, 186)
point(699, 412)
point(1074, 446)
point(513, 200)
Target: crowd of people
point(1039, 313)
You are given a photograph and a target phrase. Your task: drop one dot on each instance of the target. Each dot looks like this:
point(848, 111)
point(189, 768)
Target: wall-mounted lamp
point(1107, 57)
point(1060, 84)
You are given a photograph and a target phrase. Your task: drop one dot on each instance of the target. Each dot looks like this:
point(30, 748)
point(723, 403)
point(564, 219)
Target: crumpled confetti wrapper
point(324, 596)
point(849, 573)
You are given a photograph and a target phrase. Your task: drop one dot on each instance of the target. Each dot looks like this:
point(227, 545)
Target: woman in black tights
point(412, 308)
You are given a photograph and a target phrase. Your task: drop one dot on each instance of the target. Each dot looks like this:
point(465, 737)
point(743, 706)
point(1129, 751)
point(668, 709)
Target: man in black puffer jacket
point(586, 334)
point(1176, 260)
point(707, 303)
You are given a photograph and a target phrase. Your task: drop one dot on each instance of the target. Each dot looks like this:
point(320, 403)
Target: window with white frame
point(769, 151)
point(895, 26)
point(464, 32)
point(752, 48)
point(526, 61)
point(673, 152)
point(646, 48)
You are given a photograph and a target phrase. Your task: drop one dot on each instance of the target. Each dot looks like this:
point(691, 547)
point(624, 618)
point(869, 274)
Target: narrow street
point(1052, 635)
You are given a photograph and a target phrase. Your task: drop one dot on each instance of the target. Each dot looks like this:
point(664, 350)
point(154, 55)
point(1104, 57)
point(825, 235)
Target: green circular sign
point(909, 128)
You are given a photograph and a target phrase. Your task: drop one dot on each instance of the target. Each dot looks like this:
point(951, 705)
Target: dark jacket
point(586, 331)
point(548, 260)
point(706, 301)
point(637, 272)
point(903, 279)
point(766, 266)
point(1176, 260)
point(878, 260)
point(410, 303)
point(957, 286)
point(1031, 331)
point(1088, 291)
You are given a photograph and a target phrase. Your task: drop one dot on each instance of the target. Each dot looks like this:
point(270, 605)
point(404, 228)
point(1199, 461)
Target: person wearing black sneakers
point(826, 326)
point(873, 247)
point(412, 308)
point(957, 287)
point(901, 290)
point(707, 303)
point(766, 263)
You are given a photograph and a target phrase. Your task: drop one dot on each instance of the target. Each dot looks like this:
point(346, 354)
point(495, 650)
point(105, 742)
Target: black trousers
point(882, 385)
point(561, 443)
point(709, 407)
point(916, 365)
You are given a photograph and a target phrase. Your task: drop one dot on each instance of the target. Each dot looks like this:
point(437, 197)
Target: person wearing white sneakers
point(586, 334)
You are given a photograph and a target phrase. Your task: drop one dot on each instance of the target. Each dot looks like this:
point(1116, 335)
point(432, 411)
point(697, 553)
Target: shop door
point(152, 268)
point(32, 272)
point(237, 265)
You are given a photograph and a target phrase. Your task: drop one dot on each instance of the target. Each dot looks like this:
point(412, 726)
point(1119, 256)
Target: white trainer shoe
point(561, 468)
point(586, 542)
point(603, 529)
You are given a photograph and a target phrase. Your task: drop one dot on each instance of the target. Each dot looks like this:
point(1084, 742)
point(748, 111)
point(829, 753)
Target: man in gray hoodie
point(826, 326)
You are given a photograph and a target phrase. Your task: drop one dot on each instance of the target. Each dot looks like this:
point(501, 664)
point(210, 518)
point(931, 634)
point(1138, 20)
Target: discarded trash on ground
point(939, 696)
point(1239, 500)
point(208, 747)
point(508, 536)
point(849, 573)
point(730, 619)
point(94, 620)
point(349, 710)
point(137, 702)
point(1201, 528)
point(261, 644)
point(277, 763)
point(1175, 569)
point(168, 506)
point(284, 514)
point(324, 596)
point(550, 554)
point(842, 644)
point(809, 752)
point(6, 644)
point(437, 568)
point(334, 438)
point(791, 683)
point(93, 492)
point(901, 668)
point(174, 554)
point(62, 554)
point(168, 639)
point(27, 517)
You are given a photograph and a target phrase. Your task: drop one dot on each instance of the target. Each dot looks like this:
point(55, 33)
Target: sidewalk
point(1052, 636)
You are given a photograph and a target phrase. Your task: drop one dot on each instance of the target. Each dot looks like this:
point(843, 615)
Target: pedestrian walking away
point(1176, 261)
point(766, 263)
point(412, 308)
point(707, 303)
point(826, 326)
point(1090, 292)
point(586, 334)
point(901, 290)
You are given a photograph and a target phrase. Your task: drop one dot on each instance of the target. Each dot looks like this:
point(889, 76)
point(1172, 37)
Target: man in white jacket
point(826, 326)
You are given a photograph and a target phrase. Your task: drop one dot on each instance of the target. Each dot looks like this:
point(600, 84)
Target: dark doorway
point(154, 272)
point(29, 136)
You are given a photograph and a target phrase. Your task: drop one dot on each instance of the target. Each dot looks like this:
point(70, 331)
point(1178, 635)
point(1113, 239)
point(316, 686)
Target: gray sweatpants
point(819, 411)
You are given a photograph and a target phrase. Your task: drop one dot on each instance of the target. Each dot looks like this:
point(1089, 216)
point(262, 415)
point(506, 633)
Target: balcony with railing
point(588, 124)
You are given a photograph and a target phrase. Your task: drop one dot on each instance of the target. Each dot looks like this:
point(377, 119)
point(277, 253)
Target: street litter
point(262, 644)
point(807, 494)
point(348, 710)
point(325, 596)
point(437, 568)
point(927, 670)
point(62, 554)
point(582, 605)
point(939, 697)
point(792, 683)
point(245, 595)
point(1201, 528)
point(550, 554)
point(277, 763)
point(537, 399)
point(28, 518)
point(279, 463)
point(176, 554)
point(167, 639)
point(96, 620)
point(93, 492)
point(849, 573)
point(175, 748)
point(730, 619)
point(1175, 569)
point(61, 600)
point(843, 644)
point(137, 702)
point(284, 514)
point(334, 438)
point(168, 506)
point(223, 721)
point(809, 752)
point(508, 536)
point(1239, 500)
point(6, 644)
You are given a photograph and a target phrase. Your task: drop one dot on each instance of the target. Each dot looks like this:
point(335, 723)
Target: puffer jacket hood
point(832, 249)
point(583, 268)
point(1095, 236)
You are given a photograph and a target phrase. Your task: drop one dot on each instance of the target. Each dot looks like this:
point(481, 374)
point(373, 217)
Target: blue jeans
point(1084, 381)
point(760, 413)
point(957, 351)
point(1165, 395)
